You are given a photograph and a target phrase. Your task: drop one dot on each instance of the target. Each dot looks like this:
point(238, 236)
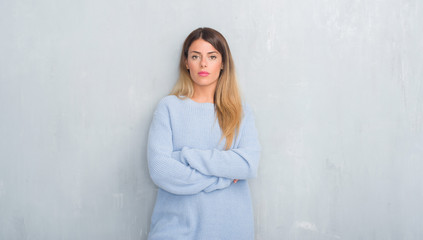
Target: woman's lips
point(203, 74)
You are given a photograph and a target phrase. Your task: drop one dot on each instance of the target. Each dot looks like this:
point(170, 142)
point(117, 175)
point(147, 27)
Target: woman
point(202, 147)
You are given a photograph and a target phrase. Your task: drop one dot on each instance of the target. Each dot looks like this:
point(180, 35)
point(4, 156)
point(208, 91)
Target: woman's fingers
point(236, 180)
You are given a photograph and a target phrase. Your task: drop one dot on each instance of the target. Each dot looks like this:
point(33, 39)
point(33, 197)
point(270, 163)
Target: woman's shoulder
point(166, 102)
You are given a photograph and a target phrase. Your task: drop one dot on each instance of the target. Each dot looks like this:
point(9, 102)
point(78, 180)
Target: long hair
point(227, 98)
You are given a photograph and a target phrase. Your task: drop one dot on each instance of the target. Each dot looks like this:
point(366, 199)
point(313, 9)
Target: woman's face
point(204, 63)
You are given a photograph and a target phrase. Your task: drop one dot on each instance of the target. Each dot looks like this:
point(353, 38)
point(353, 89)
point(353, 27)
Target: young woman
point(202, 147)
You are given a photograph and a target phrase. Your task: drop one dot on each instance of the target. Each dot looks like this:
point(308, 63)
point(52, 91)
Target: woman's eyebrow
point(200, 53)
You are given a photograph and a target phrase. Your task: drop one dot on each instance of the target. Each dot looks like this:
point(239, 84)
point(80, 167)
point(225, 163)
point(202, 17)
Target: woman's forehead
point(202, 46)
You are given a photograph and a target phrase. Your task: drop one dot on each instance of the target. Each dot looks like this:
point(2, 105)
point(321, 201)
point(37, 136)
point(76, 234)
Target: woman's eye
point(213, 57)
point(194, 57)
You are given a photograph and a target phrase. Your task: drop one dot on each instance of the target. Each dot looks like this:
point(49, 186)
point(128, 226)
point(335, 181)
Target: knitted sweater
point(197, 198)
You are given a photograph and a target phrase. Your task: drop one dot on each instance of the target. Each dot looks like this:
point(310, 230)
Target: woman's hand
point(236, 180)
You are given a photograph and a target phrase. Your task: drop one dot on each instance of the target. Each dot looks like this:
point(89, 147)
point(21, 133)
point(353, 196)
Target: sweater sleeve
point(167, 172)
point(238, 163)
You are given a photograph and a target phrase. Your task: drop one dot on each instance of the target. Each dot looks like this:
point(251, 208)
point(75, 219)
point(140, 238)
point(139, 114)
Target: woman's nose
point(203, 62)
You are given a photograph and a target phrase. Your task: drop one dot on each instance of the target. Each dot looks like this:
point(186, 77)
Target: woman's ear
point(186, 64)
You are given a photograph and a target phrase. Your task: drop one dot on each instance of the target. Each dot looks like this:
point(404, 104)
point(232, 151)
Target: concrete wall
point(336, 86)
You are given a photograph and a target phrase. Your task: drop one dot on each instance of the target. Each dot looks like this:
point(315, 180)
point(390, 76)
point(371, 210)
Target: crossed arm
point(170, 174)
point(237, 163)
point(191, 170)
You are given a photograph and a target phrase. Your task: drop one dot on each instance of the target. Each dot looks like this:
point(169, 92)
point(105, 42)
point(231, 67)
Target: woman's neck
point(204, 94)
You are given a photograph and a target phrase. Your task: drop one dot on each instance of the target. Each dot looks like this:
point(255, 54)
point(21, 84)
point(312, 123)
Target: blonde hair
point(227, 97)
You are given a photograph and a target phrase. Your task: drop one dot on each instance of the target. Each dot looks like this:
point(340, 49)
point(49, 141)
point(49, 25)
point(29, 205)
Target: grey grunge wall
point(336, 88)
